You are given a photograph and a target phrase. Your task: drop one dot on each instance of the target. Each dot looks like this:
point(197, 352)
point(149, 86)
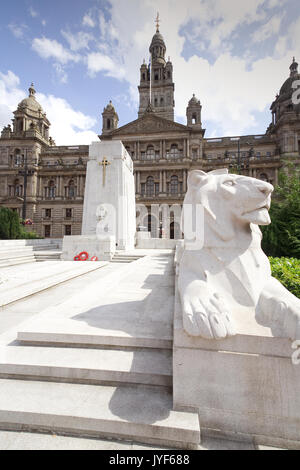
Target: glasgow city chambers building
point(51, 178)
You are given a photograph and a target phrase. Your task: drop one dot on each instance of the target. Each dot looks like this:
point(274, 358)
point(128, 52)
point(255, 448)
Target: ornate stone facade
point(162, 150)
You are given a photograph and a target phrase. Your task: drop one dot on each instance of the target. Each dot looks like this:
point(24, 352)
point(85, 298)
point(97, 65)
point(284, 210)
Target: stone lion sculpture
point(229, 271)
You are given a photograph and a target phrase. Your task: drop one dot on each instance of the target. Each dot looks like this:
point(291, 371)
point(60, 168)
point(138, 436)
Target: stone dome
point(286, 90)
point(194, 100)
point(157, 41)
point(30, 103)
point(110, 107)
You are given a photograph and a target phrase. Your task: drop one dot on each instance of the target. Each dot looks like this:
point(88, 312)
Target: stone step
point(4, 255)
point(142, 414)
point(46, 247)
point(15, 261)
point(92, 366)
point(112, 332)
point(16, 290)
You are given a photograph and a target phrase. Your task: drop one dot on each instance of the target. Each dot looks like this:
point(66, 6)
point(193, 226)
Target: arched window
point(161, 101)
point(71, 189)
point(18, 157)
point(50, 190)
point(174, 185)
point(155, 102)
point(108, 123)
point(174, 152)
point(150, 154)
point(150, 186)
point(18, 188)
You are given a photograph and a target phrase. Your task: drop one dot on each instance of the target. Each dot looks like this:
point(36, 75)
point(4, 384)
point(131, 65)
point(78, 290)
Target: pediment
point(149, 124)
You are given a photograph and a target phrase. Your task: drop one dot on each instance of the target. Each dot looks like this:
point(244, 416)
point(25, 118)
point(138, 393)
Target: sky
point(233, 55)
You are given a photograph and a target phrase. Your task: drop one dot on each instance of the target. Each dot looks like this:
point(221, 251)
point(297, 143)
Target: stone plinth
point(103, 248)
point(245, 386)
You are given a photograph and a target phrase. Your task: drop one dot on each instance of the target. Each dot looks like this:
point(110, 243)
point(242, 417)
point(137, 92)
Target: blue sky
point(233, 55)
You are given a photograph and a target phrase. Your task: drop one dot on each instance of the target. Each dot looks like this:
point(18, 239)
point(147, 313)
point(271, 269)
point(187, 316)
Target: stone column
point(61, 190)
point(187, 148)
point(138, 156)
point(164, 181)
point(184, 148)
point(138, 181)
point(161, 149)
point(184, 178)
point(160, 181)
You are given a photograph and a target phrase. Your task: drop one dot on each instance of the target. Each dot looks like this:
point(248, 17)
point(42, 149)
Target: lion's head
point(229, 200)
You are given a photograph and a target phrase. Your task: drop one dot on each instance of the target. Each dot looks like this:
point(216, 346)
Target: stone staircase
point(120, 257)
point(123, 393)
point(103, 369)
point(15, 252)
point(16, 255)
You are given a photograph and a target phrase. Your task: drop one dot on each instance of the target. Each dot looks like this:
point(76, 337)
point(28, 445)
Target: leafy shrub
point(10, 227)
point(28, 235)
point(287, 271)
point(282, 236)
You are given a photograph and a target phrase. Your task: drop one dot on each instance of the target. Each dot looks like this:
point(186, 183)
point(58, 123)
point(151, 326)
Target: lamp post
point(25, 172)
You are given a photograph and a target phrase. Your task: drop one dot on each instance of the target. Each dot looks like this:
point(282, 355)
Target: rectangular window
point(68, 213)
point(143, 189)
point(47, 231)
point(156, 189)
point(48, 213)
point(68, 229)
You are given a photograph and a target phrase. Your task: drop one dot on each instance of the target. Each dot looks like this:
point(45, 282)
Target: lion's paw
point(207, 317)
point(289, 315)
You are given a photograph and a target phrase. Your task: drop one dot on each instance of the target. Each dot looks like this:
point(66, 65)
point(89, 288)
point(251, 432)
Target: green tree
point(10, 227)
point(282, 236)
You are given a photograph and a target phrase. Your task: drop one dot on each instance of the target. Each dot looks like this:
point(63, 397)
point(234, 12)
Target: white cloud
point(18, 30)
point(268, 29)
point(61, 73)
point(44, 22)
point(77, 41)
point(50, 48)
point(88, 21)
point(32, 12)
point(96, 62)
point(68, 126)
point(10, 96)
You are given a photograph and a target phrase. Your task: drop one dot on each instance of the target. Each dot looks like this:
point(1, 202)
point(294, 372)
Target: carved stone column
point(184, 176)
point(160, 181)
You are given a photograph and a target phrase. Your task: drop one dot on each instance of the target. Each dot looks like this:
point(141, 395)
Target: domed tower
point(110, 119)
point(193, 113)
point(156, 82)
point(29, 118)
point(286, 115)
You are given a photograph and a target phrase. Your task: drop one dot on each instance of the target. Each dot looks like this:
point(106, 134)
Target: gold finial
point(157, 20)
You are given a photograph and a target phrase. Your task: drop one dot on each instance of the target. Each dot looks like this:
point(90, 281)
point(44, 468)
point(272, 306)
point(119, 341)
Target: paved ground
point(10, 440)
point(13, 315)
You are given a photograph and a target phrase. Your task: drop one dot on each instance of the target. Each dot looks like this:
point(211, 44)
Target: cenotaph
point(108, 222)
